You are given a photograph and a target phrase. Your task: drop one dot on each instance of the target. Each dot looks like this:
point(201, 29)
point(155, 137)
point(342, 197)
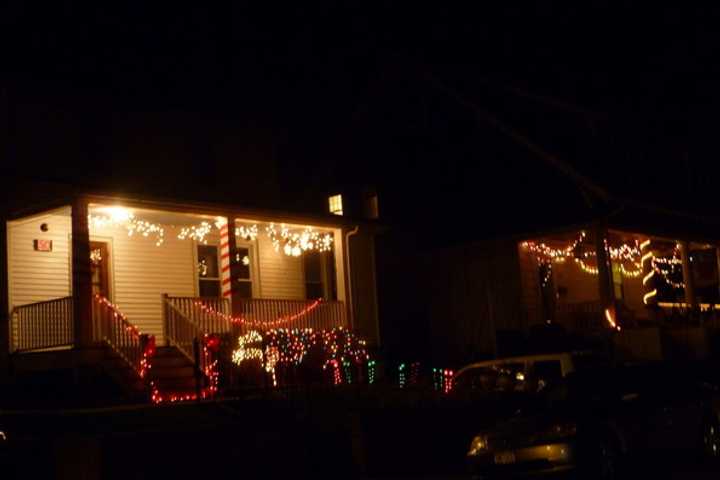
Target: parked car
point(597, 421)
point(527, 374)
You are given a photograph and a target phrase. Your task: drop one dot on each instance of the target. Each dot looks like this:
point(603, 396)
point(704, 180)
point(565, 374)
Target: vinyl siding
point(38, 276)
point(141, 272)
point(281, 276)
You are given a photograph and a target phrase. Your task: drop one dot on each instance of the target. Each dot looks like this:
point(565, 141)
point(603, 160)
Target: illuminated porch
point(149, 264)
point(622, 281)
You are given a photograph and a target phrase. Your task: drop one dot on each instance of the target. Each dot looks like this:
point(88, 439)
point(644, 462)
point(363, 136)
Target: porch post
point(81, 280)
point(607, 295)
point(687, 273)
point(4, 305)
point(235, 301)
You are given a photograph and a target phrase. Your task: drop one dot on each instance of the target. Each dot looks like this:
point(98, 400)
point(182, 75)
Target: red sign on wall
point(43, 245)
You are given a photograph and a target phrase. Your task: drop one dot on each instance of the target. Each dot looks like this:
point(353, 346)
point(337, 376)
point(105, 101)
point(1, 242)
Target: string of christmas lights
point(625, 253)
point(210, 368)
point(401, 375)
point(198, 233)
point(125, 219)
point(665, 267)
point(340, 349)
point(247, 233)
point(242, 320)
point(294, 243)
point(443, 380)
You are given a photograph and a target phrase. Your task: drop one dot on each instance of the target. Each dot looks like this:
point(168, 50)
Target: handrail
point(42, 325)
point(196, 344)
point(112, 327)
point(180, 331)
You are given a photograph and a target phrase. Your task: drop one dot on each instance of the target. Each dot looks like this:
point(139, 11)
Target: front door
point(99, 262)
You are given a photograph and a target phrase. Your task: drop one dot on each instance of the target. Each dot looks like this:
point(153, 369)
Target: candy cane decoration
point(225, 276)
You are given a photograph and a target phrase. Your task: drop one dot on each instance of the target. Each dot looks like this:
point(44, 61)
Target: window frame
point(198, 277)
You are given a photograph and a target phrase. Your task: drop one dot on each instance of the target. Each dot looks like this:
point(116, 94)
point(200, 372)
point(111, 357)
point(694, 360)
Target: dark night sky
point(626, 94)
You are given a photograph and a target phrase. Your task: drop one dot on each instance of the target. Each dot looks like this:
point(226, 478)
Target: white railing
point(43, 325)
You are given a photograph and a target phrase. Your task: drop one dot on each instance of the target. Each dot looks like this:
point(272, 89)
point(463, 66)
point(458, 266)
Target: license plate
point(504, 458)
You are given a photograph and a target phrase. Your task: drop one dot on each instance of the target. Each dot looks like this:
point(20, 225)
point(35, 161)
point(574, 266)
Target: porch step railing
point(111, 326)
point(181, 330)
point(212, 315)
point(43, 325)
point(193, 341)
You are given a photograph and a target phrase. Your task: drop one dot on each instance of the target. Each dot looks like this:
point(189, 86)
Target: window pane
point(208, 261)
point(243, 289)
point(313, 271)
point(243, 257)
point(314, 290)
point(209, 288)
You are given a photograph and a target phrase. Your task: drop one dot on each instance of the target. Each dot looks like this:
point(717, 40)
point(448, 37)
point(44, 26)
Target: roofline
point(198, 207)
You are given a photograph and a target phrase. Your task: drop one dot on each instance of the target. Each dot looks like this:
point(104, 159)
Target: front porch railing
point(212, 315)
point(110, 326)
point(265, 313)
point(43, 325)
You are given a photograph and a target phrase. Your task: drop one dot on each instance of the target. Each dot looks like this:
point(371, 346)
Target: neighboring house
point(620, 278)
point(93, 277)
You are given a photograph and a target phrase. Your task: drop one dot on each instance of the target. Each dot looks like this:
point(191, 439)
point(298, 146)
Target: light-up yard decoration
point(338, 351)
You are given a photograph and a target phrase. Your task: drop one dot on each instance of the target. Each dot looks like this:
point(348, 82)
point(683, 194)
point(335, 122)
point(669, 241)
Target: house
point(633, 278)
point(94, 281)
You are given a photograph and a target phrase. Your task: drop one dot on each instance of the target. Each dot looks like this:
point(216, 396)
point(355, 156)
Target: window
point(208, 271)
point(545, 373)
point(336, 205)
point(243, 287)
point(319, 269)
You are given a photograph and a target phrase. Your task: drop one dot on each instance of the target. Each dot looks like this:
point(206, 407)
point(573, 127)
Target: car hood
point(523, 430)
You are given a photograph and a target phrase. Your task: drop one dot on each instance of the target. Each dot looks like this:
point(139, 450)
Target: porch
point(594, 281)
point(133, 278)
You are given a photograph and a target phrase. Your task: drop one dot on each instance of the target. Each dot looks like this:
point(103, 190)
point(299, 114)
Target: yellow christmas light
point(120, 217)
point(198, 233)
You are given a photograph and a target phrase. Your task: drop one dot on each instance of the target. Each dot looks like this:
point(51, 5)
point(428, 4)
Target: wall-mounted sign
point(42, 245)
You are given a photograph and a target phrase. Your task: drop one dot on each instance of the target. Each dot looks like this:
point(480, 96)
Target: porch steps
point(125, 377)
point(172, 372)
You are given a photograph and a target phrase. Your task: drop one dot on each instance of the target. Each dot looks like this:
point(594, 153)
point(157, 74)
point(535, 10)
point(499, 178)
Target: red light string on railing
point(210, 344)
point(279, 322)
point(102, 301)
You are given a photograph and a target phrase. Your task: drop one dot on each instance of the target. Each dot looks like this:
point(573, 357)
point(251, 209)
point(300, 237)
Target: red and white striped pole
point(225, 272)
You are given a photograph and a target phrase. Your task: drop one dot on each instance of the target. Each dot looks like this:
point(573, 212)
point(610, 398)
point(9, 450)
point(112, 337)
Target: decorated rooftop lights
point(198, 233)
point(123, 218)
point(247, 232)
point(294, 243)
point(290, 240)
point(628, 255)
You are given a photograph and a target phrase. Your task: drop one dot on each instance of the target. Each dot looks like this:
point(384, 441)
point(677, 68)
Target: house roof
point(25, 198)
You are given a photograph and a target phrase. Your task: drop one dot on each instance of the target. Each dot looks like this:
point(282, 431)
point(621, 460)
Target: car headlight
point(478, 445)
point(561, 430)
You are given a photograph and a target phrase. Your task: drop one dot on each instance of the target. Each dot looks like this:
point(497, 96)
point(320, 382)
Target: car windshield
point(588, 388)
point(506, 377)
